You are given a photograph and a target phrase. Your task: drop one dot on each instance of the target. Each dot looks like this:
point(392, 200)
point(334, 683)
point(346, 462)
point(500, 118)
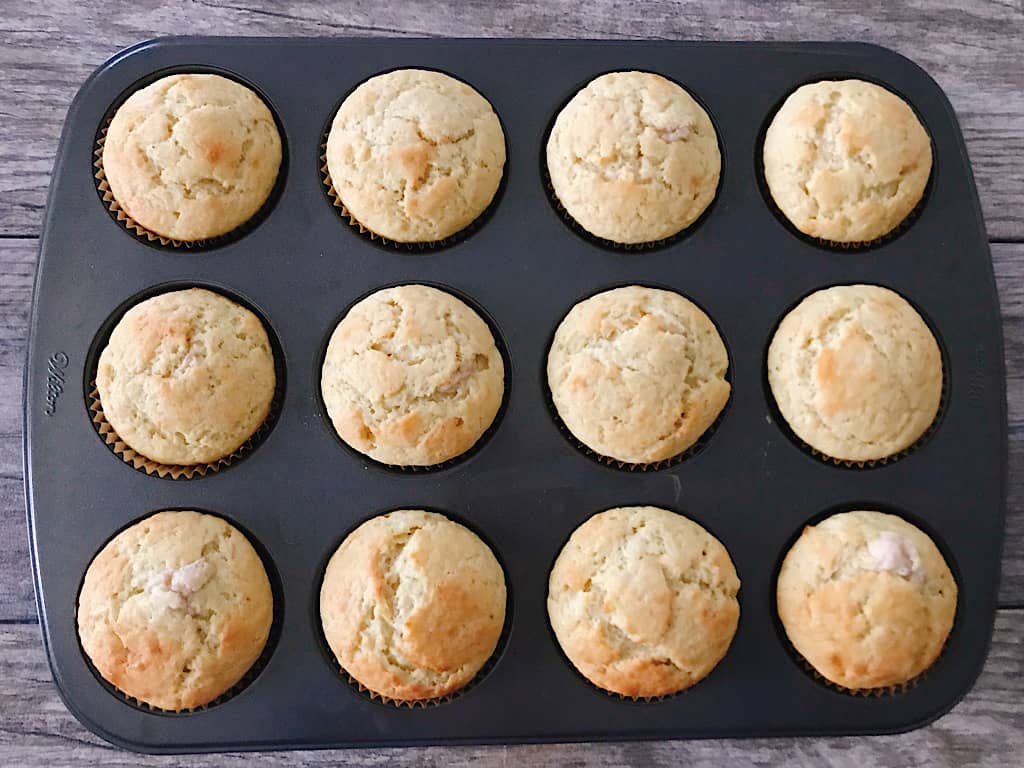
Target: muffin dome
point(415, 156)
point(191, 156)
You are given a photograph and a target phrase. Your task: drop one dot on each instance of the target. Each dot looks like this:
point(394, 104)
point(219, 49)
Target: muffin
point(191, 157)
point(856, 372)
point(187, 377)
point(175, 610)
point(633, 158)
point(412, 605)
point(415, 156)
point(412, 376)
point(846, 161)
point(867, 599)
point(643, 601)
point(637, 374)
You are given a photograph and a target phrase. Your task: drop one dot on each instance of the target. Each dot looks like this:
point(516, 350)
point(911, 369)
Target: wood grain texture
point(983, 730)
point(971, 47)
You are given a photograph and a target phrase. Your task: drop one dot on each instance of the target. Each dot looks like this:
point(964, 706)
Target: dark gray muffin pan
point(526, 487)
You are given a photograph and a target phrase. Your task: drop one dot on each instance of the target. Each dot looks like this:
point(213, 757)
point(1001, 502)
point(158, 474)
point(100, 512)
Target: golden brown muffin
point(867, 599)
point(846, 160)
point(643, 601)
point(415, 155)
point(412, 605)
point(412, 376)
point(856, 372)
point(187, 377)
point(637, 374)
point(192, 157)
point(175, 609)
point(633, 158)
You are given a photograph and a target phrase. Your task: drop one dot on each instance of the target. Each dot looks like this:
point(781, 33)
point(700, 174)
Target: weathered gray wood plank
point(972, 47)
point(984, 730)
point(17, 265)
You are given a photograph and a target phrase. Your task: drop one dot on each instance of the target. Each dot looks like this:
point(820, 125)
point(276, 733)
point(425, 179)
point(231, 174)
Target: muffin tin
point(526, 488)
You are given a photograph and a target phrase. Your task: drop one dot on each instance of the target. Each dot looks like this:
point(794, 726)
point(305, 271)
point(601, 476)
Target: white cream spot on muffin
point(895, 553)
point(178, 585)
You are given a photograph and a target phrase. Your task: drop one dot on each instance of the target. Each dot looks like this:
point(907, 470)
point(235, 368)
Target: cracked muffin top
point(846, 160)
point(175, 609)
point(412, 376)
point(412, 605)
point(633, 158)
point(867, 599)
point(643, 601)
point(186, 377)
point(637, 374)
point(856, 372)
point(191, 157)
point(415, 155)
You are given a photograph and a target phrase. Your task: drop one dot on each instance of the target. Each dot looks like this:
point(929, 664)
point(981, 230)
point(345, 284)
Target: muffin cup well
point(137, 461)
point(423, 246)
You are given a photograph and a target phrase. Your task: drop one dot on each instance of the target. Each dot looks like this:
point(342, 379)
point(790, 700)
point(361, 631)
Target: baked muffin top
point(633, 158)
point(186, 377)
point(192, 156)
point(415, 155)
point(412, 605)
point(643, 601)
point(175, 609)
point(412, 376)
point(856, 372)
point(637, 374)
point(867, 599)
point(846, 160)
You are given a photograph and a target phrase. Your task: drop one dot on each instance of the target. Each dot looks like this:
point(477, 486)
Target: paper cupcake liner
point(423, 246)
point(141, 463)
point(380, 698)
point(138, 231)
point(580, 230)
point(864, 693)
point(654, 466)
point(831, 461)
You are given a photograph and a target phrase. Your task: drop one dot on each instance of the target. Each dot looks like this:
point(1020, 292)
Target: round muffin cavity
point(637, 374)
point(415, 156)
point(175, 610)
point(633, 158)
point(856, 372)
point(643, 601)
point(846, 160)
point(412, 605)
point(187, 377)
point(867, 599)
point(412, 376)
point(192, 156)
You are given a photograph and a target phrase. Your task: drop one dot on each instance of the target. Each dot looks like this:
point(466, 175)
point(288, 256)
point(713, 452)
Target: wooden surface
point(973, 49)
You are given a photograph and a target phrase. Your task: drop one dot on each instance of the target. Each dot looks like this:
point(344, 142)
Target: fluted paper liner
point(140, 232)
point(136, 460)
